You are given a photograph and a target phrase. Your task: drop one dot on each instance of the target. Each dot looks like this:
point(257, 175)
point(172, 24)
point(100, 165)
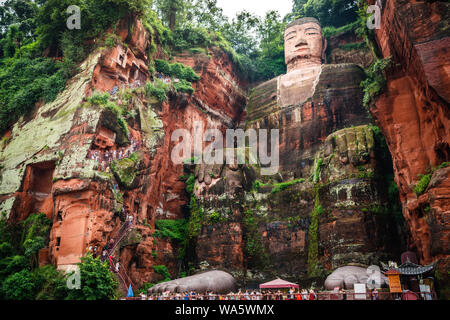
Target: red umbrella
point(278, 283)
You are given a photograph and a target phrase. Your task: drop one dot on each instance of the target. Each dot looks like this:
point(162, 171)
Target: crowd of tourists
point(134, 85)
point(247, 295)
point(166, 79)
point(104, 158)
point(262, 295)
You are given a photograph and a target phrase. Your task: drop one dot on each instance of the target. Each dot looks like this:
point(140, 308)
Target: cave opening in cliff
point(37, 189)
point(133, 73)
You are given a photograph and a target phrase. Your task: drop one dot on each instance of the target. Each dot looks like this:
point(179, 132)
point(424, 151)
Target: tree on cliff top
point(172, 11)
point(334, 13)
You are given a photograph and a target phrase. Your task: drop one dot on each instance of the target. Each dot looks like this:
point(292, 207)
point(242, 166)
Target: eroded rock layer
point(61, 161)
point(414, 115)
point(327, 206)
point(331, 203)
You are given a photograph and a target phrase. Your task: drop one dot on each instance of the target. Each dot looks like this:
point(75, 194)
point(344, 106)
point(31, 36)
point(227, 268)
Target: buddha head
point(303, 44)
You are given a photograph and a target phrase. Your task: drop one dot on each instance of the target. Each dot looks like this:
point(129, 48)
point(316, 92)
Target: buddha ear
point(324, 56)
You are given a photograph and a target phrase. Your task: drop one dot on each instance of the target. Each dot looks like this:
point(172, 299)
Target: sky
point(259, 7)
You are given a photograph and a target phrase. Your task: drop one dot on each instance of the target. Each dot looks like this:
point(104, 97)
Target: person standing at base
point(343, 294)
point(304, 294)
point(375, 294)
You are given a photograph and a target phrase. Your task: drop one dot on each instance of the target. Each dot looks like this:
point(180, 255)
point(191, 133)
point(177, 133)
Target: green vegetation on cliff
point(157, 89)
point(375, 82)
point(422, 184)
point(172, 229)
point(162, 270)
point(24, 81)
point(97, 281)
point(21, 278)
point(334, 13)
point(178, 70)
point(314, 269)
point(125, 170)
point(425, 179)
point(30, 28)
point(257, 255)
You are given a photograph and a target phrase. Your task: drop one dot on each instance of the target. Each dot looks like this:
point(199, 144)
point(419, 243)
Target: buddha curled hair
point(302, 21)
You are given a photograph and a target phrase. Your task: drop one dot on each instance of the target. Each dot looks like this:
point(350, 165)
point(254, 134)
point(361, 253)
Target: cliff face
point(330, 203)
point(414, 116)
point(58, 161)
point(326, 207)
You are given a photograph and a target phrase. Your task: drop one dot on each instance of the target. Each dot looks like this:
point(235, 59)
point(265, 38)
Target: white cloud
point(259, 7)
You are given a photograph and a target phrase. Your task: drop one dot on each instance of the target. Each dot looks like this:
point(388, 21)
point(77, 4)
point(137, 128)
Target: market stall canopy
point(278, 283)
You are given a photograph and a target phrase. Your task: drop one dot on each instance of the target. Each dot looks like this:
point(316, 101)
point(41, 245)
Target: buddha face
point(303, 45)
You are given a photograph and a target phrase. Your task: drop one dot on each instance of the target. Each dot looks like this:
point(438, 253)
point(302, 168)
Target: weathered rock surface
point(328, 205)
point(324, 208)
point(414, 116)
point(48, 166)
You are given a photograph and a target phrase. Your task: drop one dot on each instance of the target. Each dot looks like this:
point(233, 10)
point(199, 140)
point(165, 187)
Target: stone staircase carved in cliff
point(122, 275)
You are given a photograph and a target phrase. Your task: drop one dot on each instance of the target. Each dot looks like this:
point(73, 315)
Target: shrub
point(97, 281)
point(422, 184)
point(329, 31)
point(375, 82)
point(36, 226)
point(172, 229)
point(163, 66)
point(190, 182)
point(19, 286)
point(145, 287)
point(184, 86)
point(189, 37)
point(111, 40)
point(162, 270)
point(12, 264)
point(157, 89)
point(176, 69)
point(216, 217)
point(284, 185)
point(72, 46)
point(98, 98)
point(51, 283)
point(197, 51)
point(25, 81)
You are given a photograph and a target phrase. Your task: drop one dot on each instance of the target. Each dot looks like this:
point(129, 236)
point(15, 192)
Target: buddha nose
point(301, 42)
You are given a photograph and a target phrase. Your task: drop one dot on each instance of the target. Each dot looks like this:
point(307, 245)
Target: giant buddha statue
point(309, 102)
point(326, 139)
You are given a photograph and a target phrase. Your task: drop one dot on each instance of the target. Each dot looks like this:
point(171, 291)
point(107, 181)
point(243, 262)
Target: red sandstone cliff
point(83, 199)
point(414, 116)
point(56, 176)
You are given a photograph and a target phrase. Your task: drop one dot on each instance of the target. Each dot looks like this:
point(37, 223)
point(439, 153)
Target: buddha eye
point(311, 33)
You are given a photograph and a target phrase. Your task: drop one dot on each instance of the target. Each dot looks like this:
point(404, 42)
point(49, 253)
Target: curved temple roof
point(411, 269)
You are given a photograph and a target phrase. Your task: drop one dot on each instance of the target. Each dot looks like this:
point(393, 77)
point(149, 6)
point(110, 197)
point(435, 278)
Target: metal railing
point(286, 297)
point(123, 232)
point(122, 275)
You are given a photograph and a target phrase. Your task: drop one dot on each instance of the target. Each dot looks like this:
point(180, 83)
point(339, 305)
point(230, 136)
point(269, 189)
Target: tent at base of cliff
point(278, 284)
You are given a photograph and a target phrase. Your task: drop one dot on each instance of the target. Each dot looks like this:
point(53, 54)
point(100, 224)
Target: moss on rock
point(125, 171)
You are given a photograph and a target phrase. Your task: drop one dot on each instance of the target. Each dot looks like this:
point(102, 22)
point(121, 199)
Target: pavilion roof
point(409, 268)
